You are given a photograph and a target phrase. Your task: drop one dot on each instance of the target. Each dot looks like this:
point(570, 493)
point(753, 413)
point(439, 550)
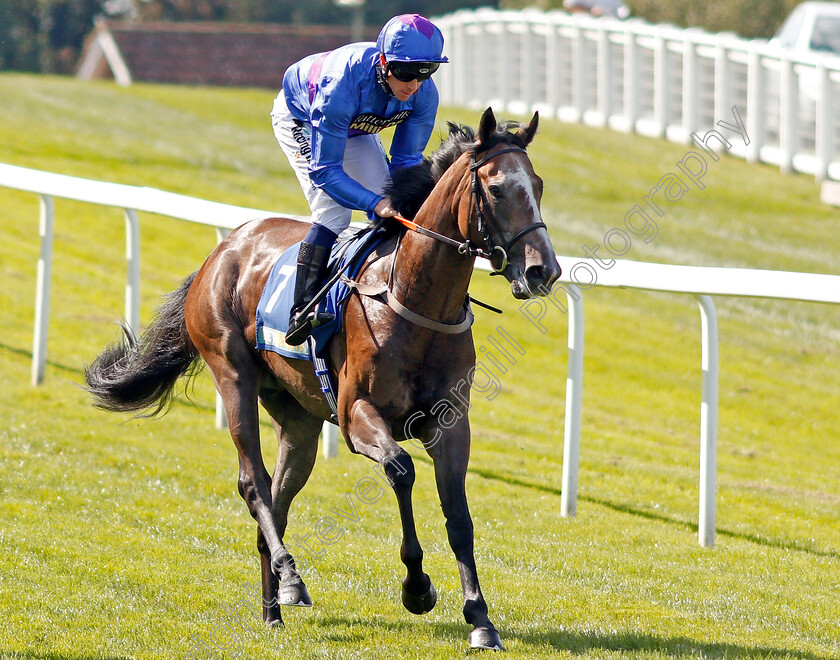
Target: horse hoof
point(275, 623)
point(294, 594)
point(484, 637)
point(420, 604)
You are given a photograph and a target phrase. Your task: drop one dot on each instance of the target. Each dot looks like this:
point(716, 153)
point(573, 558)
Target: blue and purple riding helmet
point(412, 47)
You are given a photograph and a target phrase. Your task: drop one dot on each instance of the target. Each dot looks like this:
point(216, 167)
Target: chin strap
point(382, 77)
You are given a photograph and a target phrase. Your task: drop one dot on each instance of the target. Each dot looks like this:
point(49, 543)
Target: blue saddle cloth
point(277, 298)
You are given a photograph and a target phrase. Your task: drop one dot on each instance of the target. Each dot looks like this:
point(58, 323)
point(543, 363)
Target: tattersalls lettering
point(371, 123)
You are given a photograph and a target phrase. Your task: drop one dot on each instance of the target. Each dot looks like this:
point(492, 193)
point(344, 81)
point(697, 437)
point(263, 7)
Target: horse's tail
point(136, 374)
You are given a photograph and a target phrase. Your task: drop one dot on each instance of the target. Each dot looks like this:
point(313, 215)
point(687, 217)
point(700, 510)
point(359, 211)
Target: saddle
point(277, 297)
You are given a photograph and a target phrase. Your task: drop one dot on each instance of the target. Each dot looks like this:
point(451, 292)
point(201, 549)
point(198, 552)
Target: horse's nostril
point(536, 274)
point(541, 277)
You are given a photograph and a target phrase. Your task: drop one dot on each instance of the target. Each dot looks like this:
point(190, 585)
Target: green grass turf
point(124, 538)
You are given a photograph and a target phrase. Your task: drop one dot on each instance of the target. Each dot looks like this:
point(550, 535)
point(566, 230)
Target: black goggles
point(408, 71)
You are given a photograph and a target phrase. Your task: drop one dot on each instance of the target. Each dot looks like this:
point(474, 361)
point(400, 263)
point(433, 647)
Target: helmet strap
point(382, 76)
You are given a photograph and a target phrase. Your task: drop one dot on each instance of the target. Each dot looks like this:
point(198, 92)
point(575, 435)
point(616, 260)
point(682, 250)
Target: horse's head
point(505, 211)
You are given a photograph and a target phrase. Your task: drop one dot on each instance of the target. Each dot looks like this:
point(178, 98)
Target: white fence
point(656, 80)
point(701, 282)
point(131, 199)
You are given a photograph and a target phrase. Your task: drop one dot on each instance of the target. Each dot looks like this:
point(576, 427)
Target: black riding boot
point(311, 264)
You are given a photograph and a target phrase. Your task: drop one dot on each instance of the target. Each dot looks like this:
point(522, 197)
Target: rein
point(383, 293)
point(465, 247)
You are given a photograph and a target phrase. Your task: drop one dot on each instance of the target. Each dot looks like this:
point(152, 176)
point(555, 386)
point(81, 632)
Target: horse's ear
point(487, 127)
point(527, 133)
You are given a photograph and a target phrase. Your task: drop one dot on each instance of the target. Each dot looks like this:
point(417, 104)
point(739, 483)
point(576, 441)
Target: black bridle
point(496, 254)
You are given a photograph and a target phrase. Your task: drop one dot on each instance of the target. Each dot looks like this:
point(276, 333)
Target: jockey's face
point(402, 90)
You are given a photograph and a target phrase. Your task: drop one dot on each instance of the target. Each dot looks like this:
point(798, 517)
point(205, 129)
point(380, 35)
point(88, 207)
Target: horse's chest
point(415, 375)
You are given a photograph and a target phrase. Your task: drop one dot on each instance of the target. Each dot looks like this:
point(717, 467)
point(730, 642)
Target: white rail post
point(503, 64)
point(632, 78)
point(455, 69)
point(605, 76)
point(329, 434)
point(528, 49)
point(708, 422)
point(824, 138)
point(553, 68)
point(661, 84)
point(691, 97)
point(723, 78)
point(788, 114)
point(445, 76)
point(755, 103)
point(574, 400)
point(482, 80)
point(42, 293)
point(461, 49)
point(132, 287)
point(580, 82)
point(221, 417)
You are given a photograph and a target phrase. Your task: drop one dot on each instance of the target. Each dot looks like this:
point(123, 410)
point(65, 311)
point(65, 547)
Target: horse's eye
point(495, 191)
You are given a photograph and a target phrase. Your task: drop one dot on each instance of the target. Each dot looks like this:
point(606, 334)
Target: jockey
point(327, 119)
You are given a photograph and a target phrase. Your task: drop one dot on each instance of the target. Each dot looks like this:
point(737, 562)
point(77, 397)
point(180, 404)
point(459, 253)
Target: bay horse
point(482, 195)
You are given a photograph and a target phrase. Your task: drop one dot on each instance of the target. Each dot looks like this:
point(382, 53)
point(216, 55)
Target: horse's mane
point(412, 185)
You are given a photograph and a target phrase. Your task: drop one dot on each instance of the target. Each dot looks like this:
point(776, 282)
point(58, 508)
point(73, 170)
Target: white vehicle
point(598, 7)
point(811, 30)
point(812, 27)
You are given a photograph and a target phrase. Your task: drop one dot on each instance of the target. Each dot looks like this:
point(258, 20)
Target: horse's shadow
point(454, 633)
point(572, 641)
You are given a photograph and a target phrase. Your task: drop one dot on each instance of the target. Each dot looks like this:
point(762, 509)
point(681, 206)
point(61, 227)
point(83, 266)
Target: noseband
point(496, 253)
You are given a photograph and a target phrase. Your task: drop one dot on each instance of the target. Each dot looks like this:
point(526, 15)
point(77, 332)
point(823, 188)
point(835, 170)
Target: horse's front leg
point(451, 455)
point(369, 435)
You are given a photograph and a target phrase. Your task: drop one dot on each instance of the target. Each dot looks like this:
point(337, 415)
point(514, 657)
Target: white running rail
point(698, 281)
point(703, 283)
point(131, 199)
point(655, 80)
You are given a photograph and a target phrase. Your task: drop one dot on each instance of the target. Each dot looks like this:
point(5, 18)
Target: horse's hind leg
point(270, 584)
point(236, 374)
point(297, 447)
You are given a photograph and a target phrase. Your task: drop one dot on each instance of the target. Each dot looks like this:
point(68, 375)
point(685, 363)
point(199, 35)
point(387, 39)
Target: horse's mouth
point(535, 281)
point(521, 291)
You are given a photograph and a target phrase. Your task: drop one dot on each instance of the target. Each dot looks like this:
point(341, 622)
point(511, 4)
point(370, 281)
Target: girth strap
point(381, 291)
point(322, 371)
